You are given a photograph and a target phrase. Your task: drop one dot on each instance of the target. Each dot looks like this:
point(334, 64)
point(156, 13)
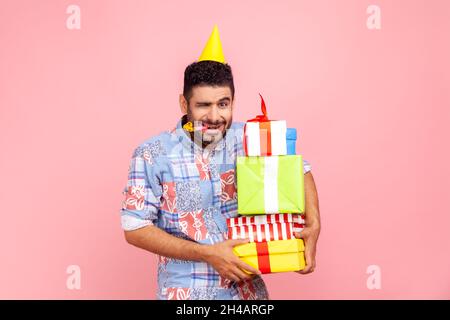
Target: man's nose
point(213, 115)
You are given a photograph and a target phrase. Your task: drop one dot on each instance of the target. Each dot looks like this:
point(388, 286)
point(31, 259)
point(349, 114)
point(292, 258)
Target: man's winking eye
point(224, 102)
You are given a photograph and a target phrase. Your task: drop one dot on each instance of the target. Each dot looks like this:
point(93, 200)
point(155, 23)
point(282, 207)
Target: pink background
point(371, 107)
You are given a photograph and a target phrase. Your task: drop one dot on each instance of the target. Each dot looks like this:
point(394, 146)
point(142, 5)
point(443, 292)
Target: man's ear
point(183, 104)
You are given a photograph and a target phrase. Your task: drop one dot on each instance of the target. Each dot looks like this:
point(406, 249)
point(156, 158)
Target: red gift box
point(262, 228)
point(263, 135)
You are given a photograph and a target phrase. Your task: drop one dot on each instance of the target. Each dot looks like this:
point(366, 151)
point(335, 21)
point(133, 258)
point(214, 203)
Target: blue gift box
point(291, 137)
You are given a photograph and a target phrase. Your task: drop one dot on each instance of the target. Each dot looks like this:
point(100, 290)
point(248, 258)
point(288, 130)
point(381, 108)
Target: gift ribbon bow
point(264, 126)
point(262, 117)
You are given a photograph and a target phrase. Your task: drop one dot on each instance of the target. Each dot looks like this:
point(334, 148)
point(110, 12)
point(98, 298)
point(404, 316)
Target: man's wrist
point(315, 225)
point(312, 220)
point(204, 252)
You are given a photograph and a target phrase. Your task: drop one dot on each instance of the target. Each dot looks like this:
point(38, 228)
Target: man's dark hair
point(207, 73)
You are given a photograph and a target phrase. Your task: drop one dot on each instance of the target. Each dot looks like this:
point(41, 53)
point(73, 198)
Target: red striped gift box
point(262, 228)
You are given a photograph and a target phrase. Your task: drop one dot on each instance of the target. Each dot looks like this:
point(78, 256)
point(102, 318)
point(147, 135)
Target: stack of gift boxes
point(271, 197)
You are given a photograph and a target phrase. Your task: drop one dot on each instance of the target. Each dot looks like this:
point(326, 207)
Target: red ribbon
point(263, 117)
point(263, 124)
point(262, 251)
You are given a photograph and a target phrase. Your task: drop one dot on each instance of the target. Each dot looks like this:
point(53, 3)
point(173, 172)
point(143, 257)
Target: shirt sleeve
point(306, 166)
point(141, 203)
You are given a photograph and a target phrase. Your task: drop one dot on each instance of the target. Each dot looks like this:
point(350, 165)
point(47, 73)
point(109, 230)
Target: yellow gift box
point(273, 256)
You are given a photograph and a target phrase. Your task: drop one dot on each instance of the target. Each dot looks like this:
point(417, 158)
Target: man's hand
point(226, 263)
point(309, 236)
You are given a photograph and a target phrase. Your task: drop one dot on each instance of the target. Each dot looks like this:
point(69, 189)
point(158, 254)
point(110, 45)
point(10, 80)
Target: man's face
point(212, 108)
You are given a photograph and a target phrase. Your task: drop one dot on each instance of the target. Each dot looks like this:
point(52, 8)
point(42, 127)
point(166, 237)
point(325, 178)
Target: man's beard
point(206, 140)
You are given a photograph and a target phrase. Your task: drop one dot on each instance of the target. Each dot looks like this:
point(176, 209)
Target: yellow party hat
point(213, 48)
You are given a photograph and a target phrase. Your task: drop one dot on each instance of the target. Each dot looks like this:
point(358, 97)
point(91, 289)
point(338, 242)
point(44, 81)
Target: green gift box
point(271, 184)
